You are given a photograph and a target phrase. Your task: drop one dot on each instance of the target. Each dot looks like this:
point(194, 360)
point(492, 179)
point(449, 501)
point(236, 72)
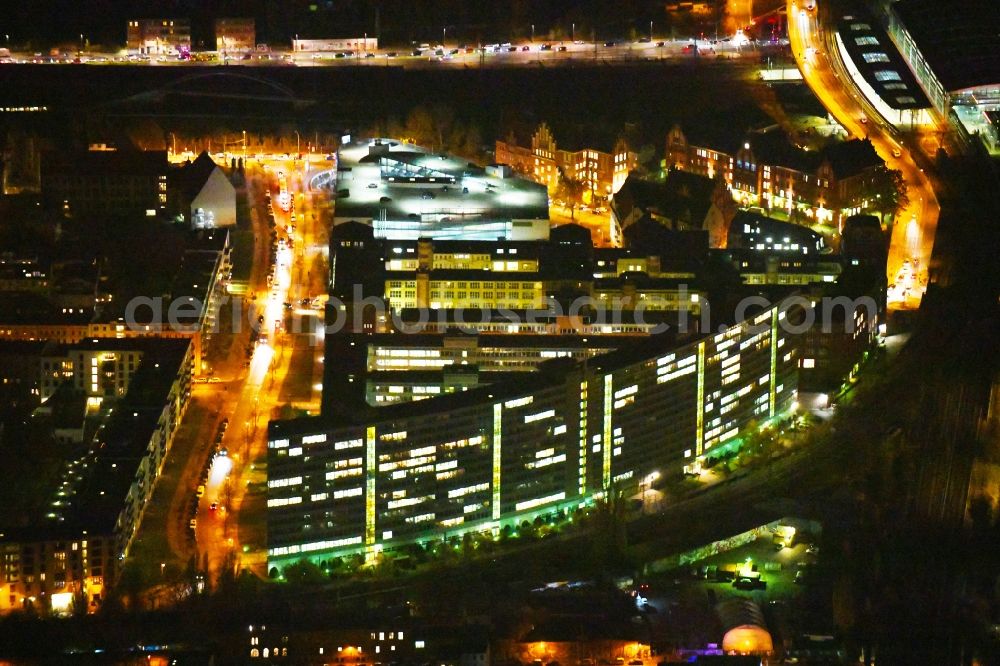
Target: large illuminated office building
point(374, 479)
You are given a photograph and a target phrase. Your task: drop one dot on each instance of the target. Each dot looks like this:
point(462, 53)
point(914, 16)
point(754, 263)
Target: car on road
point(214, 506)
point(525, 48)
point(415, 52)
point(390, 54)
point(660, 44)
point(193, 523)
point(610, 42)
point(545, 47)
point(896, 152)
point(369, 55)
point(562, 48)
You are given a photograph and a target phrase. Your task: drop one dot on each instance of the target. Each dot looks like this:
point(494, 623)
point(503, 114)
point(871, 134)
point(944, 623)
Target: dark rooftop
point(119, 162)
point(876, 57)
point(959, 38)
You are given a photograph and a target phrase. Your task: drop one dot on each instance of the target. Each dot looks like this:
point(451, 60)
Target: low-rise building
point(685, 201)
point(202, 194)
point(95, 367)
point(753, 231)
point(159, 36)
point(602, 169)
point(763, 168)
point(22, 274)
point(357, 44)
point(71, 555)
point(106, 182)
point(235, 35)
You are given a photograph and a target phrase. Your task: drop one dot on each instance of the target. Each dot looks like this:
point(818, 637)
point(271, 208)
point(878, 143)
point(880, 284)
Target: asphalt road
point(520, 54)
point(818, 58)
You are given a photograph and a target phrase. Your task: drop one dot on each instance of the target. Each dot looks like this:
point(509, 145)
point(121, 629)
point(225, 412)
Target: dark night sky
point(47, 22)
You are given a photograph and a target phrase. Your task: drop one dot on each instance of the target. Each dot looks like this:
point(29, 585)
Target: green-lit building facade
point(501, 454)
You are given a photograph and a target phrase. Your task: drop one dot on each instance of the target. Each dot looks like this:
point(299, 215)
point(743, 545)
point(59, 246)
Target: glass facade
point(500, 455)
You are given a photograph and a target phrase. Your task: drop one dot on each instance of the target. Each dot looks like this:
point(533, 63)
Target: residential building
point(22, 274)
point(763, 168)
point(685, 201)
point(95, 367)
point(601, 169)
point(235, 35)
point(106, 182)
point(202, 278)
point(159, 36)
point(71, 556)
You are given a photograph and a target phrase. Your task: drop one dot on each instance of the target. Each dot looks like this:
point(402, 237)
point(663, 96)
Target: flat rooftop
point(876, 57)
point(406, 191)
point(959, 38)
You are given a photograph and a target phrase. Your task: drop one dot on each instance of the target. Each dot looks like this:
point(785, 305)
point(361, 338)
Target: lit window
point(887, 75)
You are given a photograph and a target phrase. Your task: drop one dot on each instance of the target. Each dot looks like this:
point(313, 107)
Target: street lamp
point(532, 32)
point(572, 32)
point(650, 30)
point(444, 34)
point(244, 147)
point(298, 141)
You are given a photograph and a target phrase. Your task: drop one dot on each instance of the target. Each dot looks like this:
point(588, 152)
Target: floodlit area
point(407, 192)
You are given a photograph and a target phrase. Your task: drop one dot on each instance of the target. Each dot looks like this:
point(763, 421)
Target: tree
point(890, 192)
point(304, 572)
point(571, 191)
point(443, 119)
point(610, 536)
point(420, 126)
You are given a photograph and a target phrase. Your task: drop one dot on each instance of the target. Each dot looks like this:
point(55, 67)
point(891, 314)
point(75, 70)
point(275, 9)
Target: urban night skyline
point(572, 333)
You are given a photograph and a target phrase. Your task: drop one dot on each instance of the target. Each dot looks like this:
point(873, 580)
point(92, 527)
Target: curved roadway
point(818, 58)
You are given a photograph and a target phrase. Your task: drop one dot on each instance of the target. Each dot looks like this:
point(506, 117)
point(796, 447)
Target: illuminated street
point(914, 230)
point(268, 381)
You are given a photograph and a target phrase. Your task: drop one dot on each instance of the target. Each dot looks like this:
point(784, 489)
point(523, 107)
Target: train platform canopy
point(960, 39)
